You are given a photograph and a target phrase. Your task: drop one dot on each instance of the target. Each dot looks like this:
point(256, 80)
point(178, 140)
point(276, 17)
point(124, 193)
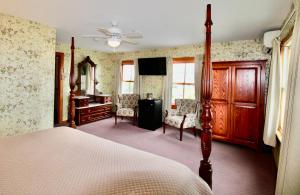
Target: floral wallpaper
point(105, 71)
point(27, 51)
point(26, 66)
point(227, 51)
point(152, 84)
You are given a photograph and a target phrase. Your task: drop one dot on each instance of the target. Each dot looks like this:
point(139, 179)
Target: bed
point(67, 161)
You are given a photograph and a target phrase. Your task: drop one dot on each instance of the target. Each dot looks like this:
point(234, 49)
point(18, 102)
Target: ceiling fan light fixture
point(113, 42)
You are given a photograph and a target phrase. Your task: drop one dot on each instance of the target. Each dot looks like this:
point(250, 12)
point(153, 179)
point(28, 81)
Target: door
point(238, 102)
point(221, 101)
point(245, 103)
point(58, 92)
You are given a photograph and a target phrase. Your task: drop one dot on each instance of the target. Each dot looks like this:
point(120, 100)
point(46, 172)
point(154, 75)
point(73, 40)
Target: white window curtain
point(136, 85)
point(273, 99)
point(288, 174)
point(118, 80)
point(167, 87)
point(198, 77)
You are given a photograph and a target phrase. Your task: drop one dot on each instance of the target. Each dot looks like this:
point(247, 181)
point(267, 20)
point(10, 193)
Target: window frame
point(183, 60)
point(126, 63)
point(284, 45)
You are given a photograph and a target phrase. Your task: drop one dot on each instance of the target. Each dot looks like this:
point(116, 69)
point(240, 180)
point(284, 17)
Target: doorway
point(58, 91)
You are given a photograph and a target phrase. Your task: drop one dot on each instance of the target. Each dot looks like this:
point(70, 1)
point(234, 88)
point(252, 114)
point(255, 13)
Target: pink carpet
point(236, 170)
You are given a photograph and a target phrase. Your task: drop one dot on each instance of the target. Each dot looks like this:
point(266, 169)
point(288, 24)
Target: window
point(285, 61)
point(127, 76)
point(183, 78)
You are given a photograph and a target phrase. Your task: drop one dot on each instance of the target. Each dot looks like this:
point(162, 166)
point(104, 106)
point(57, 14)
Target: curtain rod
point(288, 20)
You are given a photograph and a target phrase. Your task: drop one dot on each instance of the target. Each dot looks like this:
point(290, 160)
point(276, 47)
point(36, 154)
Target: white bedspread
point(68, 161)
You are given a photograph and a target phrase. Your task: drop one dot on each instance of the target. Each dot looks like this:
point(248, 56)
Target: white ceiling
point(164, 23)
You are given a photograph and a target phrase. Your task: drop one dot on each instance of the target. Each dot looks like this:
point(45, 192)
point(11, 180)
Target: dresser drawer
point(81, 102)
point(96, 109)
point(93, 113)
point(95, 117)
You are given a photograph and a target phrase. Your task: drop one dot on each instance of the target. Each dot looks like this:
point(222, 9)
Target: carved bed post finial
point(205, 170)
point(72, 86)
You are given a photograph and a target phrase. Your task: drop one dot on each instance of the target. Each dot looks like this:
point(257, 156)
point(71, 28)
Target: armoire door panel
point(245, 124)
point(220, 102)
point(220, 112)
point(221, 83)
point(245, 84)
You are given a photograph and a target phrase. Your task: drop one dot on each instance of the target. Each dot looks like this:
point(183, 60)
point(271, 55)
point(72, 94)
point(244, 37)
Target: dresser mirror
point(86, 80)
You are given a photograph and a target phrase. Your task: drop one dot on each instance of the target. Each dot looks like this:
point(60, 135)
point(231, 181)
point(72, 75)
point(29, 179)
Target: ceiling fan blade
point(99, 38)
point(129, 41)
point(92, 36)
point(104, 31)
point(133, 35)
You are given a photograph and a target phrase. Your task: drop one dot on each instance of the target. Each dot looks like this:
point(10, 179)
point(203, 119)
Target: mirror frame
point(87, 60)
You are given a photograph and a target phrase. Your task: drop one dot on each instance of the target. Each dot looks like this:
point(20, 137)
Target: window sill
point(279, 135)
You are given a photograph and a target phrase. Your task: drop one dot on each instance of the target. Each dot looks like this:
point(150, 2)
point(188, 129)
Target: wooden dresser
point(86, 112)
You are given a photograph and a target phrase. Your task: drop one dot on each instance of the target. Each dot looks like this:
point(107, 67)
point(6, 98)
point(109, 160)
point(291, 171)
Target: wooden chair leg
point(164, 128)
point(181, 131)
point(195, 131)
point(116, 119)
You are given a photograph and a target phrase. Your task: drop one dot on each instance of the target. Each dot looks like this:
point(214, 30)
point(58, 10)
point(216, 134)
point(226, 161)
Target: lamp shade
point(113, 42)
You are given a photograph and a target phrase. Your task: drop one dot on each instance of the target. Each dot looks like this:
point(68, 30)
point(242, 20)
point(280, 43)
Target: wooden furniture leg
point(181, 127)
point(181, 131)
point(164, 124)
point(195, 131)
point(134, 120)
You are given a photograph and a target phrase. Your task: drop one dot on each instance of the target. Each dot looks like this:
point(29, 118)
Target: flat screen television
point(152, 66)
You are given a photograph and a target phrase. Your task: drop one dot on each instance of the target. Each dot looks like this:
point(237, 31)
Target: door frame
point(60, 86)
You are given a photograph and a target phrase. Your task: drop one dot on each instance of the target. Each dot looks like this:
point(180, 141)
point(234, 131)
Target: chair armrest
point(182, 123)
point(188, 116)
point(165, 115)
point(118, 106)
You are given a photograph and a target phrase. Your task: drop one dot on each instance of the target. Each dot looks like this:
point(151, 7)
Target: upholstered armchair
point(183, 117)
point(126, 107)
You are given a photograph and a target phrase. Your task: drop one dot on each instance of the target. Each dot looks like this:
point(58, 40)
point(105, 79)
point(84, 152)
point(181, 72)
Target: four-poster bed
point(205, 170)
point(64, 160)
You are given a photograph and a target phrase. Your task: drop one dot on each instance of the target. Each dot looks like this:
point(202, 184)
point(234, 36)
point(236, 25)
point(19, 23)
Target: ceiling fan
point(114, 36)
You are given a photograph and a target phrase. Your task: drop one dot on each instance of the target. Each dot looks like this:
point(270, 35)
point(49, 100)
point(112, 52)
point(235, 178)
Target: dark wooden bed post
point(205, 170)
point(72, 86)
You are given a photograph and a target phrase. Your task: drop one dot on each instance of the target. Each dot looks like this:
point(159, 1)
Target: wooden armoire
point(238, 102)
